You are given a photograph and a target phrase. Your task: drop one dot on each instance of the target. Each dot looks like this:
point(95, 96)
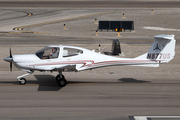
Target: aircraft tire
point(58, 77)
point(61, 81)
point(23, 81)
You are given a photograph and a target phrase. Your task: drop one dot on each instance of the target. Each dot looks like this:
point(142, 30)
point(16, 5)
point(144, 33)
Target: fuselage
point(71, 58)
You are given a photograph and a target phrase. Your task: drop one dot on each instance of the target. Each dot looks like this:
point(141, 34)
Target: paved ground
point(92, 3)
point(105, 93)
point(89, 97)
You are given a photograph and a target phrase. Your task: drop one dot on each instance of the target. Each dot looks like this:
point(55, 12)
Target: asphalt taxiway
point(92, 3)
point(114, 92)
point(89, 97)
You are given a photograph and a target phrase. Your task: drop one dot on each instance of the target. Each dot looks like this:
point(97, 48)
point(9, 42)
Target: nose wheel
point(22, 81)
point(61, 80)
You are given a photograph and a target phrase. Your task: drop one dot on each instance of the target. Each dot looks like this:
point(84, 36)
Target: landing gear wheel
point(58, 77)
point(61, 81)
point(22, 81)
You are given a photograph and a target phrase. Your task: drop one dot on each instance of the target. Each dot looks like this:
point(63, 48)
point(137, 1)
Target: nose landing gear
point(21, 80)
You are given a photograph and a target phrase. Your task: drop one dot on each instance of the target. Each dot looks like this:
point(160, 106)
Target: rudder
point(162, 49)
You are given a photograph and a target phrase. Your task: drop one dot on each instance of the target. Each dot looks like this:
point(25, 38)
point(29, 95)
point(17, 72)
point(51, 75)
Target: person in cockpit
point(53, 54)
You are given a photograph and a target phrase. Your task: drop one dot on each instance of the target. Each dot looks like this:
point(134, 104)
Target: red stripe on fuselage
point(64, 62)
point(97, 63)
point(121, 61)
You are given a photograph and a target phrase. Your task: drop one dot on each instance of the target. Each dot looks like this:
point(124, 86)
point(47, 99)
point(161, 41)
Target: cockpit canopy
point(53, 52)
point(48, 53)
point(68, 52)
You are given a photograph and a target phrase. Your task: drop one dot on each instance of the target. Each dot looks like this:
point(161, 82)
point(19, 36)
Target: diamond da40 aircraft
point(70, 58)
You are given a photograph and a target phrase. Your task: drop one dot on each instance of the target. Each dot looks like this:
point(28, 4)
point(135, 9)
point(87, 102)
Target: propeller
point(10, 57)
point(10, 52)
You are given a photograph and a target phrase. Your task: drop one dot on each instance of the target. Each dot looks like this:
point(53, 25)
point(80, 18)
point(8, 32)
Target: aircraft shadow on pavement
point(132, 80)
point(9, 82)
point(123, 80)
point(47, 83)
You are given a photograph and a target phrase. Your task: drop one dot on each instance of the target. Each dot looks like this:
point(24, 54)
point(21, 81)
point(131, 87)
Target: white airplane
point(68, 58)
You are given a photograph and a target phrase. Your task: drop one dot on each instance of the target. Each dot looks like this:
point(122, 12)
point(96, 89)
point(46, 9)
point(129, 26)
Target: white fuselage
point(83, 61)
point(69, 58)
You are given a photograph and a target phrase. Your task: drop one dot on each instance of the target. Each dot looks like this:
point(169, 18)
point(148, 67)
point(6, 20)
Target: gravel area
point(85, 26)
point(8, 14)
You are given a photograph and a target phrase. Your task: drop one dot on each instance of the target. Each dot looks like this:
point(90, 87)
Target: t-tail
point(162, 49)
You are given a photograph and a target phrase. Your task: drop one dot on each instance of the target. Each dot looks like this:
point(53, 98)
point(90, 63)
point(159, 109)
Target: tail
point(162, 49)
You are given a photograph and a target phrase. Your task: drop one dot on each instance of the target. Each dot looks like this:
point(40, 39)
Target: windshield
point(48, 53)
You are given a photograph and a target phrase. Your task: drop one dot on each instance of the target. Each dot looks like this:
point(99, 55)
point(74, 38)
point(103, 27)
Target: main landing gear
point(21, 80)
point(61, 79)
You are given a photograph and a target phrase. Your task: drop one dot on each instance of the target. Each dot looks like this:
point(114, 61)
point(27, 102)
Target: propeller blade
point(10, 53)
point(11, 61)
point(11, 66)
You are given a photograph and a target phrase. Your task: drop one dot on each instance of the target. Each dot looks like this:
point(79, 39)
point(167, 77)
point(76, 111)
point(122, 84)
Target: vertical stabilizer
point(162, 49)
